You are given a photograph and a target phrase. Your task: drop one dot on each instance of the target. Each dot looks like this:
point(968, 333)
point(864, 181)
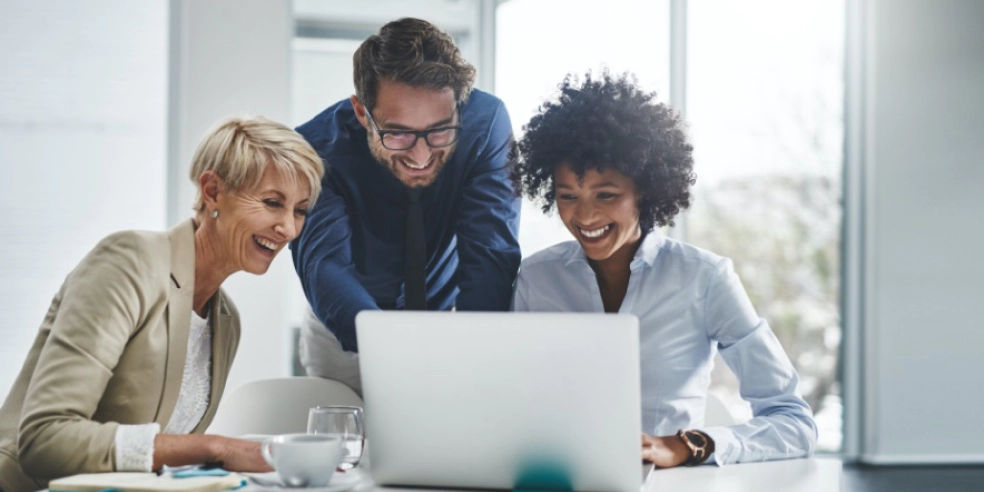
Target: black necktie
point(414, 291)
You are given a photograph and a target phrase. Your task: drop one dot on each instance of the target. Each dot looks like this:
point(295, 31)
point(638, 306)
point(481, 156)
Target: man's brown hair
point(414, 52)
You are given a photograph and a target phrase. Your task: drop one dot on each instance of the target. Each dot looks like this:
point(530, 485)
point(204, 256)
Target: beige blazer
point(111, 351)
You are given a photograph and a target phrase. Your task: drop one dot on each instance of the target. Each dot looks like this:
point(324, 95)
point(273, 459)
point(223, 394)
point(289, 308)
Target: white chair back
point(277, 406)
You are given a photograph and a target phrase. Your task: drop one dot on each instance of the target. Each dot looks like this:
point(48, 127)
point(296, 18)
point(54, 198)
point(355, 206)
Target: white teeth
point(597, 232)
point(415, 166)
point(272, 246)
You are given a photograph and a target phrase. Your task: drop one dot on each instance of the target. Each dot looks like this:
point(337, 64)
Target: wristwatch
point(700, 445)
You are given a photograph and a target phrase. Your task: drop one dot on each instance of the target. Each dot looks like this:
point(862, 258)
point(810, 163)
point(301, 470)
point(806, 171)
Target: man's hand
point(664, 451)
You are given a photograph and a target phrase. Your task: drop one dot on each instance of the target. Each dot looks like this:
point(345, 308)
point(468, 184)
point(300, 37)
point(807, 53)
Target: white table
point(803, 475)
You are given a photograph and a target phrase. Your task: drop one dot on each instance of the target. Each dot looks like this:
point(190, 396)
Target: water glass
point(344, 422)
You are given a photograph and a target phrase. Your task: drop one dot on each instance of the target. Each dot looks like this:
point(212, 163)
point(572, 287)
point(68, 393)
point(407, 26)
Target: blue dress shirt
point(350, 254)
point(690, 304)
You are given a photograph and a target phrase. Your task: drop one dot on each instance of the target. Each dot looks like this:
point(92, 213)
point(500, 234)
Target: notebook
point(144, 482)
point(502, 400)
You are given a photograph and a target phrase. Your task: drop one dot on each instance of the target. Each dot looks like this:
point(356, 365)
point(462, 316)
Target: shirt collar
point(644, 256)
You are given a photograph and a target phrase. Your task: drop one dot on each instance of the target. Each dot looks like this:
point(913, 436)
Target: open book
point(144, 482)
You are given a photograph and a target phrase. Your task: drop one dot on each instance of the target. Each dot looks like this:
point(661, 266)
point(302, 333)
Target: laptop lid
point(500, 400)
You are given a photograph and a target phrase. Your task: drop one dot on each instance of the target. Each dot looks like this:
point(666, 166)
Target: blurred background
point(837, 148)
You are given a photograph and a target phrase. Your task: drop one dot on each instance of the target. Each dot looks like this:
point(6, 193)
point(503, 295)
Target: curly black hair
point(609, 123)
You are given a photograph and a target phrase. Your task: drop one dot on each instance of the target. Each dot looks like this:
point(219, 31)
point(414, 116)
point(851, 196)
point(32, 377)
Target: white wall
point(233, 56)
point(924, 171)
point(83, 105)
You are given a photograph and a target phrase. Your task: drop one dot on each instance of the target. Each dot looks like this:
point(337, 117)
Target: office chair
point(277, 406)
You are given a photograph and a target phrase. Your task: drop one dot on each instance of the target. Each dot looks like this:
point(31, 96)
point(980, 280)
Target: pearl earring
point(215, 214)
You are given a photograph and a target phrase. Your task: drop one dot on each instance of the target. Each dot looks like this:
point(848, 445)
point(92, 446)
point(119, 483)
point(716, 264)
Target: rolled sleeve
point(135, 447)
point(782, 425)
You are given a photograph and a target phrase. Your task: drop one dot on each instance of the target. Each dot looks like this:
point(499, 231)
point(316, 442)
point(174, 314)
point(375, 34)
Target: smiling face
point(255, 224)
point(601, 211)
point(402, 107)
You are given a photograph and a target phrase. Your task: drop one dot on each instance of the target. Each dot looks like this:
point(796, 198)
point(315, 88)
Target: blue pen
point(211, 468)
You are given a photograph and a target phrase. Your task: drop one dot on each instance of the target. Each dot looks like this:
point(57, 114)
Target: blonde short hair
point(239, 149)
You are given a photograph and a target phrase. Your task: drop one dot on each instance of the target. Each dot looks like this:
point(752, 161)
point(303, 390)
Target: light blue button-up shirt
point(690, 304)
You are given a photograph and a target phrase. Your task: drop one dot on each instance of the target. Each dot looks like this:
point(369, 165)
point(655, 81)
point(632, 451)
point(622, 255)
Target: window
point(572, 37)
point(764, 101)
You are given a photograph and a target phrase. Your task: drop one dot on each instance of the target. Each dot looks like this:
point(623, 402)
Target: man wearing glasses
point(417, 209)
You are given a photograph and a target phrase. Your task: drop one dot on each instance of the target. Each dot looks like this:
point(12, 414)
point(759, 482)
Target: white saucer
point(255, 437)
point(340, 482)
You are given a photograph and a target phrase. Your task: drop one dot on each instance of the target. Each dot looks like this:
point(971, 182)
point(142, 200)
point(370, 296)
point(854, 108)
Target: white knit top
point(135, 443)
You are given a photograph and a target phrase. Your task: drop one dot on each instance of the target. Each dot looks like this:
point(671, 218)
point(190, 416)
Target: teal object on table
point(214, 472)
point(541, 475)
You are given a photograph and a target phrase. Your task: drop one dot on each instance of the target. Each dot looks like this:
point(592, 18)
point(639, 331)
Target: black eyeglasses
point(406, 139)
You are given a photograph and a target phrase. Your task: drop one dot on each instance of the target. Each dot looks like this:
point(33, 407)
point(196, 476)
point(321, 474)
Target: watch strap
point(699, 444)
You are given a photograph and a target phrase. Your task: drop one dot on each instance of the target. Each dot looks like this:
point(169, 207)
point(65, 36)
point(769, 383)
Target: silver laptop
point(502, 400)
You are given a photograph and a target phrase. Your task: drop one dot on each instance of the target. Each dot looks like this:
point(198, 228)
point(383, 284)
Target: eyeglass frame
point(416, 133)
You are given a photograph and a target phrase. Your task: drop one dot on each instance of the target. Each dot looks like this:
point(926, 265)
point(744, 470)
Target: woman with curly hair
point(616, 165)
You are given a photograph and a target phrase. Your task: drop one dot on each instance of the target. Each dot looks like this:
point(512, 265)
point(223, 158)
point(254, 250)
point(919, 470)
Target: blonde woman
point(131, 359)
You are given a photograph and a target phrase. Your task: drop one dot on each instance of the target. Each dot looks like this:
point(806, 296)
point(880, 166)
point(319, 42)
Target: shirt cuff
point(726, 445)
point(135, 447)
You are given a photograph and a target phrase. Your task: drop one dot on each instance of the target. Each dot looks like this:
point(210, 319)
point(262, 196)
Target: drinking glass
point(345, 423)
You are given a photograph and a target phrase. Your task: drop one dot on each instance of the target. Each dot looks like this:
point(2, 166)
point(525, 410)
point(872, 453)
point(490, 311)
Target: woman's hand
point(240, 455)
point(188, 449)
point(664, 451)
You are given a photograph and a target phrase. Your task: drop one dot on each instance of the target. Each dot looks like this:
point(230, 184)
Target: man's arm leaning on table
point(323, 260)
point(488, 224)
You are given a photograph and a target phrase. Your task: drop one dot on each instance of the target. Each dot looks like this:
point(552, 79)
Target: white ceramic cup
point(303, 460)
